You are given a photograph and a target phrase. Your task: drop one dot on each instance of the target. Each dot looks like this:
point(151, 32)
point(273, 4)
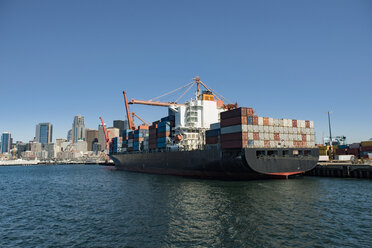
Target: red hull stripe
point(285, 173)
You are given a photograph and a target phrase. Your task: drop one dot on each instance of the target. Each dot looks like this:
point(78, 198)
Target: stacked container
point(164, 132)
point(153, 135)
point(140, 141)
point(366, 149)
point(241, 128)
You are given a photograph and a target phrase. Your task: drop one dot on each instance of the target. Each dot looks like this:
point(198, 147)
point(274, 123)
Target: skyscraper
point(44, 133)
point(78, 129)
point(121, 125)
point(5, 142)
point(91, 137)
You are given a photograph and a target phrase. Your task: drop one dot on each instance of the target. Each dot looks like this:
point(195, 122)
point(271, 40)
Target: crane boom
point(152, 103)
point(130, 123)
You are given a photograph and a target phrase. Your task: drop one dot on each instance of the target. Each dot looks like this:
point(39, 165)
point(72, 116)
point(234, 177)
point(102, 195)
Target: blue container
point(250, 120)
point(164, 129)
point(160, 145)
point(161, 140)
point(212, 133)
point(163, 123)
point(250, 142)
point(343, 146)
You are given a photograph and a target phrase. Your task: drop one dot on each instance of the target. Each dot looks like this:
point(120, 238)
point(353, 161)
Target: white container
point(259, 143)
point(276, 129)
point(271, 121)
point(266, 129)
point(286, 129)
point(276, 122)
point(300, 130)
point(255, 128)
point(260, 121)
point(271, 129)
point(301, 123)
point(250, 128)
point(261, 136)
point(250, 135)
point(312, 137)
point(273, 144)
point(311, 124)
point(281, 129)
point(271, 136)
point(312, 131)
point(323, 158)
point(299, 137)
point(266, 136)
point(281, 122)
point(308, 138)
point(289, 122)
point(345, 157)
point(261, 129)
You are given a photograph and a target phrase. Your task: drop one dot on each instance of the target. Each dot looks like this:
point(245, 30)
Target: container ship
point(207, 137)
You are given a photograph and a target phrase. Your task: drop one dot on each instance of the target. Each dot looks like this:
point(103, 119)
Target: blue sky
point(286, 59)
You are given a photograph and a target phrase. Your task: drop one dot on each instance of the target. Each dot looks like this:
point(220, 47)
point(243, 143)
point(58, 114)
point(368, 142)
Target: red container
point(212, 140)
point(276, 137)
point(233, 121)
point(256, 135)
point(163, 134)
point(366, 148)
point(294, 123)
point(130, 149)
point(243, 111)
point(234, 136)
point(265, 121)
point(255, 120)
point(267, 143)
point(234, 144)
point(304, 137)
point(341, 152)
point(307, 124)
point(143, 127)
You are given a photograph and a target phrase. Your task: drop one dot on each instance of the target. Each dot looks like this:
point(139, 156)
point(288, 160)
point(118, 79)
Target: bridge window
point(272, 153)
point(285, 153)
point(307, 152)
point(260, 153)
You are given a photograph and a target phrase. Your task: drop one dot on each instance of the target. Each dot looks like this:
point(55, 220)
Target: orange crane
point(106, 132)
point(196, 81)
point(129, 118)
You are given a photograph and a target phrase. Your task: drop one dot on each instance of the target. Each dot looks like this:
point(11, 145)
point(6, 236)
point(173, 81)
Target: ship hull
point(241, 164)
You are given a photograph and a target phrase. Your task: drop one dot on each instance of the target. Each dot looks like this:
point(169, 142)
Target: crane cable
point(171, 91)
point(185, 91)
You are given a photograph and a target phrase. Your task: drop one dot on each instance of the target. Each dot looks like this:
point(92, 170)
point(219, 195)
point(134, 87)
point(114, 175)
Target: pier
point(342, 170)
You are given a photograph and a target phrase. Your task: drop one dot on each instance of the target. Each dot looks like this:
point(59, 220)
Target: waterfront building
point(6, 142)
point(113, 132)
point(69, 135)
point(101, 137)
point(80, 146)
point(21, 147)
point(91, 137)
point(78, 129)
point(52, 150)
point(60, 141)
point(44, 133)
point(121, 125)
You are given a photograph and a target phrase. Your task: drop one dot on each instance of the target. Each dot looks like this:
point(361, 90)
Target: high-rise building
point(5, 142)
point(69, 135)
point(101, 137)
point(44, 133)
point(91, 137)
point(78, 129)
point(121, 125)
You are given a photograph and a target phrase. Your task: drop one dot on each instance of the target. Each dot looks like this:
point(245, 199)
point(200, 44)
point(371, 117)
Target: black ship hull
point(241, 164)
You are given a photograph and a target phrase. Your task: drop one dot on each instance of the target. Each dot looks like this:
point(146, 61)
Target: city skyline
point(284, 59)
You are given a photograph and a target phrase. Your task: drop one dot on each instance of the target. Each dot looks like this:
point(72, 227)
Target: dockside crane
point(130, 118)
point(220, 99)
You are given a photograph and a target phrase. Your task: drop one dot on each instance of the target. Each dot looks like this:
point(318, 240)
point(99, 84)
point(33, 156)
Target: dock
point(345, 170)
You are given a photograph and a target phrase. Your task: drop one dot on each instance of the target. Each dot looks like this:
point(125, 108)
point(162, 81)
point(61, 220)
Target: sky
point(286, 59)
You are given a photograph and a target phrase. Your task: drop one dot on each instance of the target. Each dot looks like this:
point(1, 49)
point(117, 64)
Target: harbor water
point(96, 206)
